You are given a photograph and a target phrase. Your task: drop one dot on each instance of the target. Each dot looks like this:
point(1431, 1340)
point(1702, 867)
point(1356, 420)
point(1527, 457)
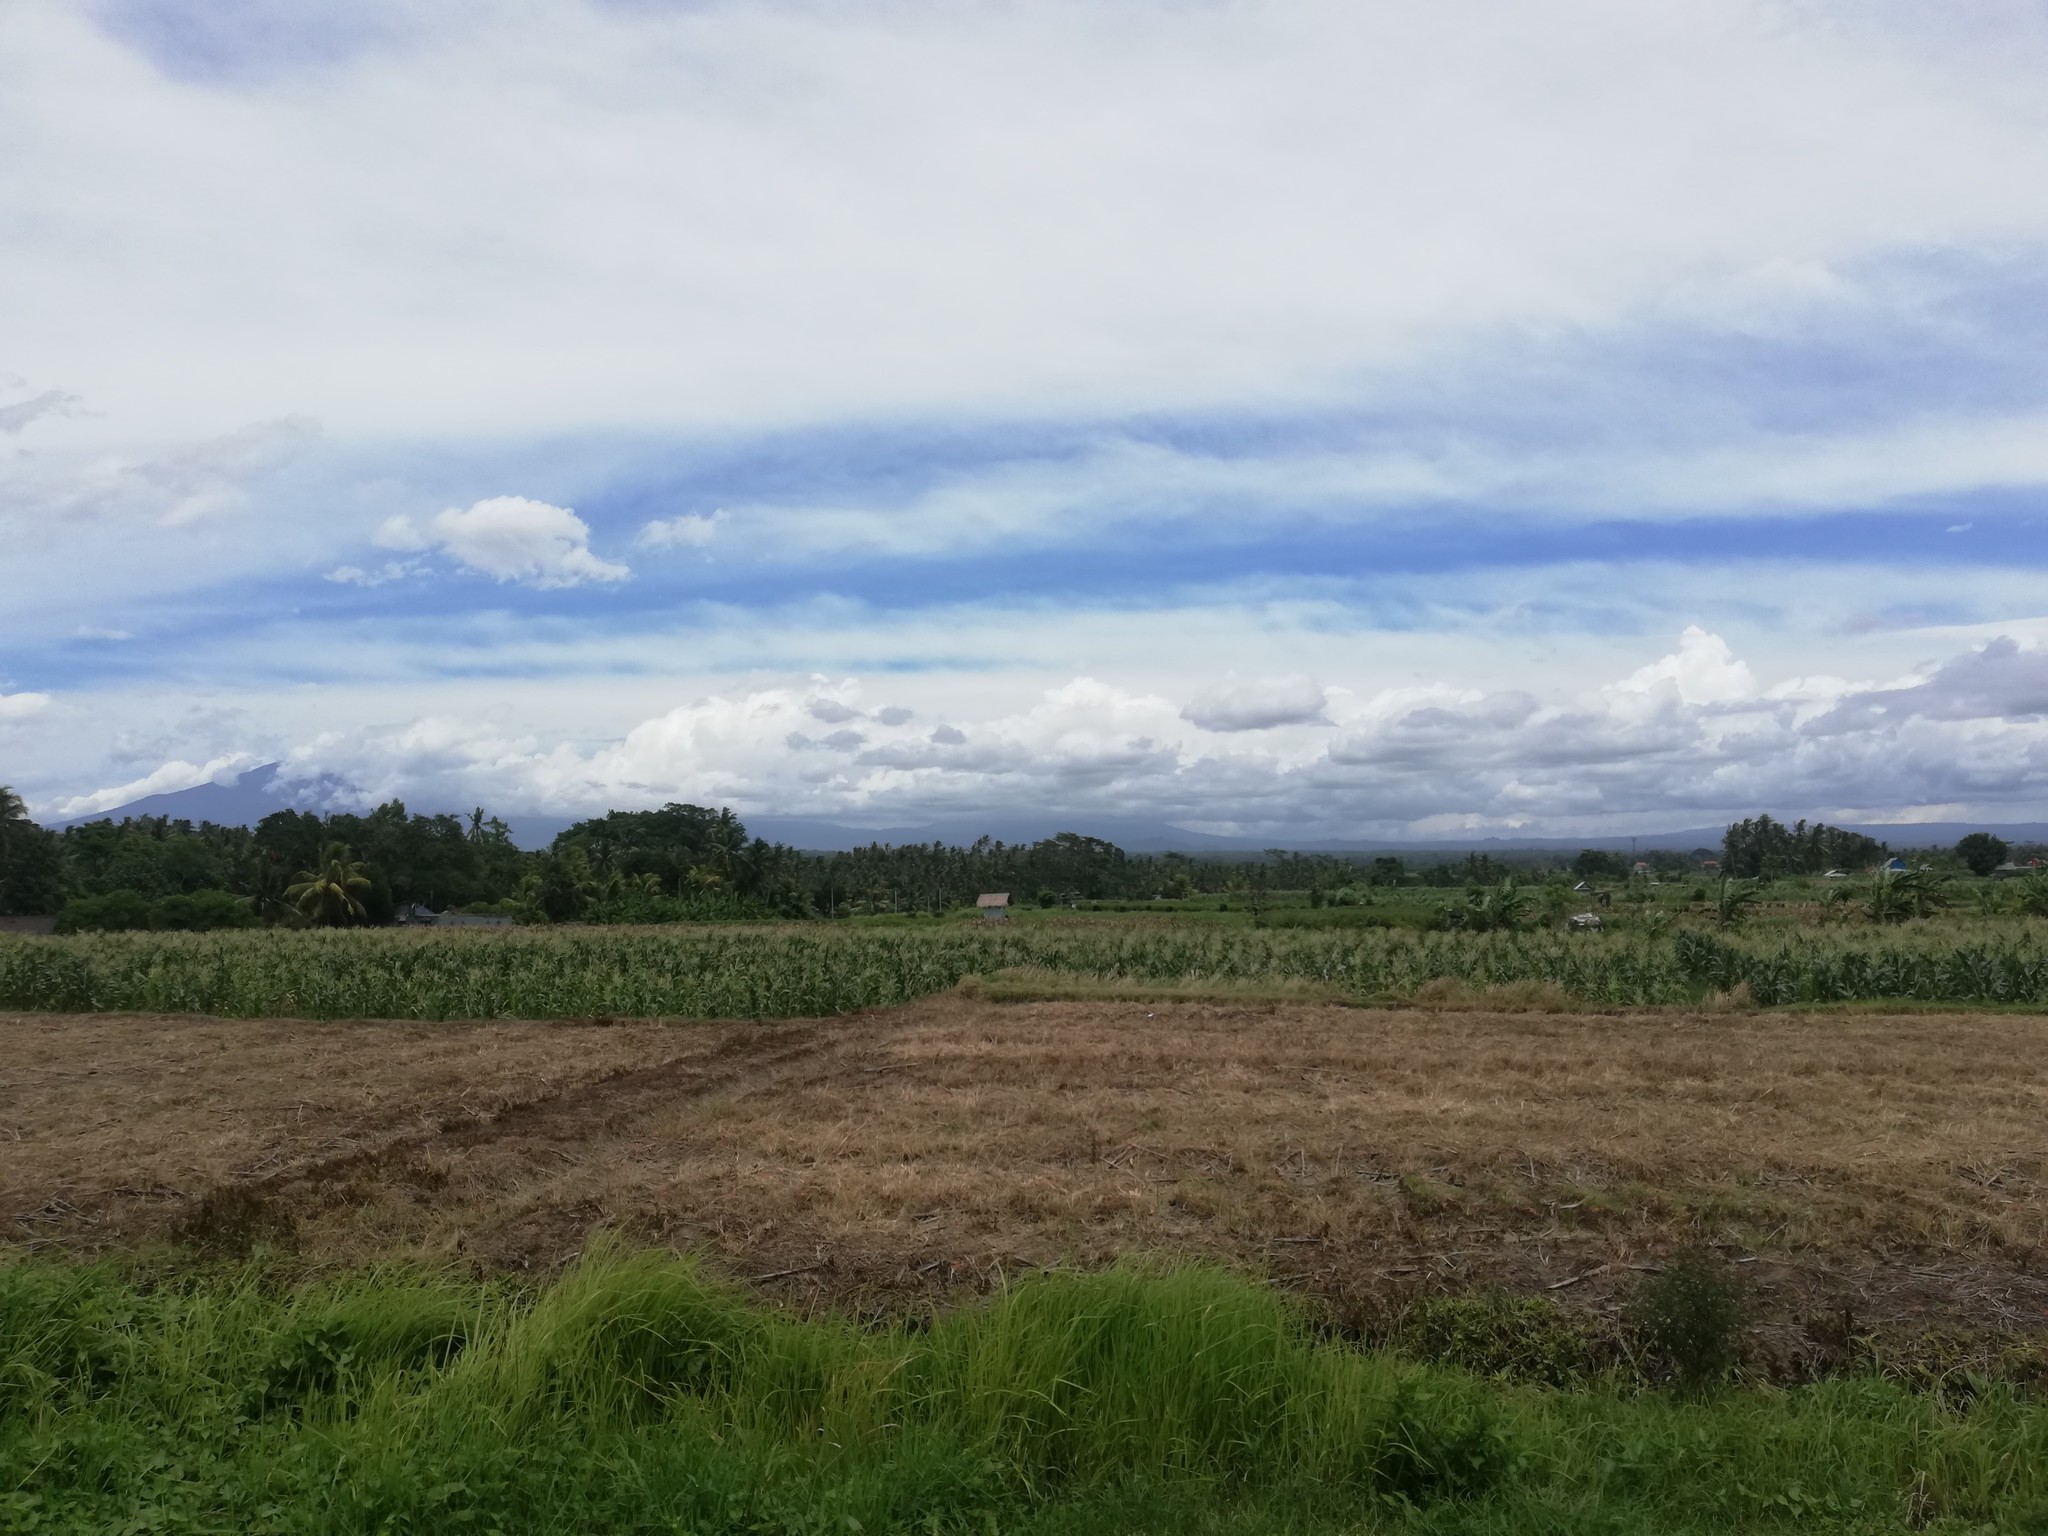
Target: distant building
point(1711, 866)
point(2011, 871)
point(413, 915)
point(995, 906)
point(1893, 866)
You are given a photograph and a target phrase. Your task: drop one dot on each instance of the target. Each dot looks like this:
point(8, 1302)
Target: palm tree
point(264, 876)
point(12, 806)
point(327, 895)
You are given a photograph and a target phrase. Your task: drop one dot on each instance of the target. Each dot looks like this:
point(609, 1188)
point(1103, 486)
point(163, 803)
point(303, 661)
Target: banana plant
point(1732, 902)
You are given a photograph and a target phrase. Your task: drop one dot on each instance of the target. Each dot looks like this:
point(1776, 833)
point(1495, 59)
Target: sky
point(1297, 419)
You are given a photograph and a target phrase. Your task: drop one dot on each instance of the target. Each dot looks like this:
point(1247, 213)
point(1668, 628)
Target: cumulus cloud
point(2003, 680)
point(1971, 735)
point(507, 538)
point(1701, 671)
point(1258, 706)
point(17, 706)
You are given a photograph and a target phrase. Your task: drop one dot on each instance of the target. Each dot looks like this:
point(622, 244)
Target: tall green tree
point(1763, 847)
point(31, 881)
point(1981, 852)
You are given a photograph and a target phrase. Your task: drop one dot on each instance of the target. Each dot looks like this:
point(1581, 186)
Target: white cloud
point(1258, 706)
point(1701, 671)
point(398, 532)
point(508, 538)
point(16, 706)
point(383, 575)
point(208, 479)
point(698, 214)
point(169, 778)
point(693, 531)
point(1970, 734)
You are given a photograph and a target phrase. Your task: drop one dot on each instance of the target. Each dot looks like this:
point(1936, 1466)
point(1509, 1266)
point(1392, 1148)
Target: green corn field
point(812, 970)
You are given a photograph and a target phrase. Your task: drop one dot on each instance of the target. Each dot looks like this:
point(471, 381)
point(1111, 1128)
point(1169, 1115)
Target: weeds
point(1688, 1321)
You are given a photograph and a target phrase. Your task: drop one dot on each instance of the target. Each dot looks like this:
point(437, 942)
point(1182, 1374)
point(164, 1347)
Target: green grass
point(636, 1395)
point(790, 970)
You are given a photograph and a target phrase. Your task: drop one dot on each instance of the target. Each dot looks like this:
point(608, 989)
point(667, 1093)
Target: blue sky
point(1317, 418)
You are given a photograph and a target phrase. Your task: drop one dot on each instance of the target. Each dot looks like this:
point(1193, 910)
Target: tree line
point(693, 863)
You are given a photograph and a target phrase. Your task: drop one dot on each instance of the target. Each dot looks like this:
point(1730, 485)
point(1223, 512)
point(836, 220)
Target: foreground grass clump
point(810, 970)
point(635, 1395)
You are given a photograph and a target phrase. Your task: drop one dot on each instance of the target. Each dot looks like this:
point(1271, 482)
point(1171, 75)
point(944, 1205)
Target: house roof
point(993, 899)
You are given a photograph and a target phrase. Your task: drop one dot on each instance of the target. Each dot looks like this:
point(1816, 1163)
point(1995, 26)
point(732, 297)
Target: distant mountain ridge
point(251, 796)
point(257, 793)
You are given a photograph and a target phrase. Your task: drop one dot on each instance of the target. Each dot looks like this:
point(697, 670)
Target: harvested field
point(1895, 1166)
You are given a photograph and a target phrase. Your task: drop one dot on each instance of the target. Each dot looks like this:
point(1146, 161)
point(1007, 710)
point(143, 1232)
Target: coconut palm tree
point(327, 895)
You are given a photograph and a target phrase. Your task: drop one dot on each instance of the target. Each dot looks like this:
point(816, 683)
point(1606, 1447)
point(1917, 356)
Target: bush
point(121, 910)
point(201, 911)
point(111, 913)
point(1516, 1338)
point(1688, 1321)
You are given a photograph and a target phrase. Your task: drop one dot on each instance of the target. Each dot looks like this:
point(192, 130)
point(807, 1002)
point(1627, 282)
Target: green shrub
point(1687, 1321)
point(112, 913)
point(201, 911)
point(1516, 1338)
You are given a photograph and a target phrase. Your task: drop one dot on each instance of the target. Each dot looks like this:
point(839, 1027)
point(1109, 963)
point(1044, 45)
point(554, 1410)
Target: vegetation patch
point(636, 1394)
point(1514, 1338)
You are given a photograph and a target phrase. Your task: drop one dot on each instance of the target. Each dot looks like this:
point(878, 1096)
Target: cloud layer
point(1300, 413)
point(1688, 739)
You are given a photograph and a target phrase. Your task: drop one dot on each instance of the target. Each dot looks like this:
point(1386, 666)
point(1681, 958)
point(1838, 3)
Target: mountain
point(241, 802)
point(247, 799)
